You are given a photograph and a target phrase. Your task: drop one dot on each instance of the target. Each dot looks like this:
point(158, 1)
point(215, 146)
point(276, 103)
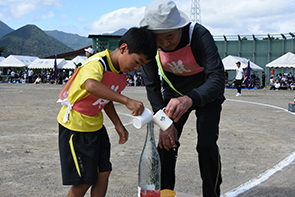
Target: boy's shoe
point(238, 94)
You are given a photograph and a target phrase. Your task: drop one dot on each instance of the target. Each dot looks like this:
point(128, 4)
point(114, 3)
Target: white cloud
point(21, 9)
point(247, 16)
point(81, 20)
point(51, 2)
point(8, 2)
point(64, 16)
point(122, 18)
point(227, 17)
point(244, 17)
point(44, 16)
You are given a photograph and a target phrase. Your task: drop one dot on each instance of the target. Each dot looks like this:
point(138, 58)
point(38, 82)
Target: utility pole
point(195, 11)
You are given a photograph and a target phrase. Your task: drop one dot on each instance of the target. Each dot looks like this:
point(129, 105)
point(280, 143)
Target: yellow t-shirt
point(91, 69)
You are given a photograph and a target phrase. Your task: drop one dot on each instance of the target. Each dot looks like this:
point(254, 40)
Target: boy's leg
point(78, 190)
point(100, 188)
point(104, 169)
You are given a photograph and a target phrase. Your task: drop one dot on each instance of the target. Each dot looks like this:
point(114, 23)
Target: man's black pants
point(239, 85)
point(208, 152)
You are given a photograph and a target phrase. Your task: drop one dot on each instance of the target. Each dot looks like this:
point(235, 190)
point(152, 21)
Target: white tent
point(229, 63)
point(79, 59)
point(17, 61)
point(1, 58)
point(285, 61)
point(47, 63)
point(71, 63)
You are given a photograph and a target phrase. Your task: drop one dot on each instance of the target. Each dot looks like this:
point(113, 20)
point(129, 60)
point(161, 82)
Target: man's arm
point(206, 54)
point(152, 84)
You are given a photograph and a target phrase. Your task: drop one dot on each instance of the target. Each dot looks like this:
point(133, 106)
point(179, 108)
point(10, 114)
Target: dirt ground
point(253, 138)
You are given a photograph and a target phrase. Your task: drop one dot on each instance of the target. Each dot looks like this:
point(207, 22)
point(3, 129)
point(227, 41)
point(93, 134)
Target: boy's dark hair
point(141, 41)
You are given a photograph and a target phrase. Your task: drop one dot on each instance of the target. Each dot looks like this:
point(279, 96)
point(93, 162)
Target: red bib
point(180, 62)
point(91, 105)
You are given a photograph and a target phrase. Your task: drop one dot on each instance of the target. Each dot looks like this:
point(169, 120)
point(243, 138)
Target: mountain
point(119, 32)
point(31, 40)
point(18, 42)
point(4, 29)
point(72, 40)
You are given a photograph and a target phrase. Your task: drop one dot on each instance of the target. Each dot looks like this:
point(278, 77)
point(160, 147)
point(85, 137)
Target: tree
point(2, 50)
point(271, 38)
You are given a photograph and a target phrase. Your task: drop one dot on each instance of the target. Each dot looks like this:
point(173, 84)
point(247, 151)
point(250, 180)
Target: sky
point(226, 17)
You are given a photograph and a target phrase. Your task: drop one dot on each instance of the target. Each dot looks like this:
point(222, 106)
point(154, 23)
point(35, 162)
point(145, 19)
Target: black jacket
point(202, 88)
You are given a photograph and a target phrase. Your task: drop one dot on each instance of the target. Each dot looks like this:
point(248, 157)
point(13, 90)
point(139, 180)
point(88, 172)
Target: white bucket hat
point(162, 16)
point(89, 50)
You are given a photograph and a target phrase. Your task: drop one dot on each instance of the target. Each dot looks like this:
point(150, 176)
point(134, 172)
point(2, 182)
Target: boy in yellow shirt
point(83, 140)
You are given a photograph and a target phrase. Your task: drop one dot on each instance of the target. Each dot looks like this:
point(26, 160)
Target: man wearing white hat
point(88, 52)
point(193, 75)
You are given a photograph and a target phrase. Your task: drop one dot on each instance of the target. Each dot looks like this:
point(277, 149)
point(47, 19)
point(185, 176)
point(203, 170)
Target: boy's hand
point(135, 106)
point(123, 134)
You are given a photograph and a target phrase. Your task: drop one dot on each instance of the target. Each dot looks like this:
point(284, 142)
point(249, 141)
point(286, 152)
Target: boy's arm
point(100, 90)
point(112, 114)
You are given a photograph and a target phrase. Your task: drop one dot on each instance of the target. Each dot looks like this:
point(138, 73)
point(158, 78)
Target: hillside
point(119, 32)
point(23, 42)
point(72, 40)
point(31, 40)
point(4, 29)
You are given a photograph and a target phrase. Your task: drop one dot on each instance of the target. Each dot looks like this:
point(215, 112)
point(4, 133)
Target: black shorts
point(83, 155)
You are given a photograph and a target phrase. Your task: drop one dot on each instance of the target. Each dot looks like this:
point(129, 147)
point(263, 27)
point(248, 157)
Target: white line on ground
point(264, 176)
point(242, 188)
point(261, 178)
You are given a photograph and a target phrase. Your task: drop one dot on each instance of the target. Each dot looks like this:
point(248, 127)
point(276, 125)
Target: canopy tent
point(230, 61)
point(17, 61)
point(71, 63)
point(1, 58)
point(47, 63)
point(285, 61)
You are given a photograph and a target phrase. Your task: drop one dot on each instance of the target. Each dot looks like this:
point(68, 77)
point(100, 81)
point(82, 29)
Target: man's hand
point(168, 138)
point(177, 107)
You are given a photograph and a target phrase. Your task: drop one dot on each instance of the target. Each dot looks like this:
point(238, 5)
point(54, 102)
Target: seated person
point(284, 79)
point(257, 81)
point(271, 83)
point(277, 85)
point(292, 85)
point(252, 80)
point(38, 80)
